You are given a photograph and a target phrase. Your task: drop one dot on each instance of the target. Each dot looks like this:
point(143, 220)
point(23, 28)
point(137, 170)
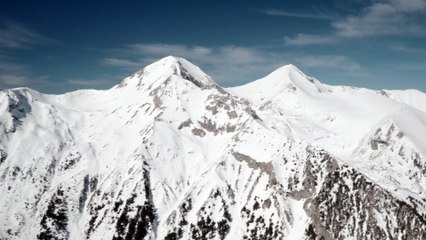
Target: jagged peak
point(167, 67)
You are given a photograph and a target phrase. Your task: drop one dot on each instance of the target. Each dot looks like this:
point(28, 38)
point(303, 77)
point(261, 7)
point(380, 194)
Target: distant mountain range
point(169, 154)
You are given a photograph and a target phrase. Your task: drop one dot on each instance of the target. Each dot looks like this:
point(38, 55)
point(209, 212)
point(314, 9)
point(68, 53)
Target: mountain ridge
point(169, 154)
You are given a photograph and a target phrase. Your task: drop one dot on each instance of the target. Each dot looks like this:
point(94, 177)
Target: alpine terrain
point(169, 154)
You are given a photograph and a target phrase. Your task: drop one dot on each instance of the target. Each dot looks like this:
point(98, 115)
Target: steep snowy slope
point(336, 118)
point(169, 154)
point(347, 122)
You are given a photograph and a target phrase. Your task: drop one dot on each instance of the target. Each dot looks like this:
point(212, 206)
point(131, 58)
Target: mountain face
point(169, 154)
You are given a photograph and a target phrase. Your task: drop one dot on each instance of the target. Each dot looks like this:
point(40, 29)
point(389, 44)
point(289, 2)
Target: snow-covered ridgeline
point(169, 154)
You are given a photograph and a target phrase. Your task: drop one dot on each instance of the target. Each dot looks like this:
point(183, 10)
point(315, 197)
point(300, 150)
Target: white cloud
point(409, 5)
point(12, 74)
point(219, 54)
point(308, 39)
point(15, 35)
point(83, 82)
point(418, 67)
point(385, 18)
point(401, 47)
point(11, 66)
point(227, 64)
point(13, 80)
point(329, 61)
point(276, 12)
point(224, 63)
point(120, 63)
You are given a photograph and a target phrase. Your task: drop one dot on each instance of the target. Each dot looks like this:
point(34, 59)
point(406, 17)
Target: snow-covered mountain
point(169, 154)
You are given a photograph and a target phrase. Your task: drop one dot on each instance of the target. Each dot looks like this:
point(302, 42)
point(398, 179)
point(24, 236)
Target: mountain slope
point(169, 154)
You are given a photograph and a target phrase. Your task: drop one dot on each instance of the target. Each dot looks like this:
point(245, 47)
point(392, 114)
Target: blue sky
point(59, 46)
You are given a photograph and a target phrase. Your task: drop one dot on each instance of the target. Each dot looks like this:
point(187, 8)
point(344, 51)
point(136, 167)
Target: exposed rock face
point(169, 154)
point(54, 223)
point(350, 205)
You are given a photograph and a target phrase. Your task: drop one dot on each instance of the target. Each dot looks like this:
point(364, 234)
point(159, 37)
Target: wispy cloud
point(12, 74)
point(276, 12)
point(407, 49)
point(84, 82)
point(224, 54)
point(418, 67)
point(15, 35)
point(120, 63)
point(9, 66)
point(393, 17)
point(386, 18)
point(229, 65)
point(225, 63)
point(9, 81)
point(329, 61)
point(310, 39)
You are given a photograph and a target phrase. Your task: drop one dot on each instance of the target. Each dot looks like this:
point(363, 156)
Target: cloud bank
point(384, 18)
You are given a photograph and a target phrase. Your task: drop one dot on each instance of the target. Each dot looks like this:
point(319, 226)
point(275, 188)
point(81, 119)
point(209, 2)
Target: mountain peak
point(167, 68)
point(287, 79)
point(166, 62)
point(289, 68)
point(288, 73)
